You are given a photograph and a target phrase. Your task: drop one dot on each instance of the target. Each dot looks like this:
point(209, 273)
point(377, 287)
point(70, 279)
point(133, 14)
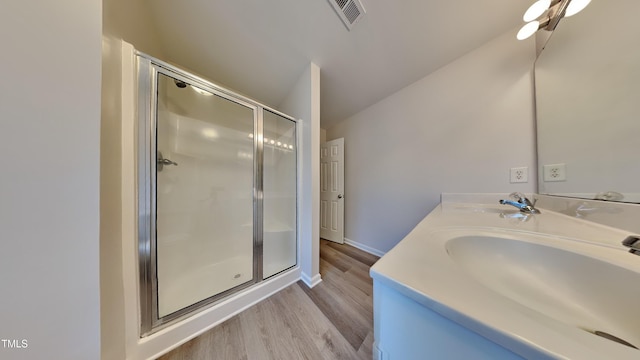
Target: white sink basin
point(538, 286)
point(577, 283)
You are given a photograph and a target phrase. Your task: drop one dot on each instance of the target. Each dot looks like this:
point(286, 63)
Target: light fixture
point(536, 10)
point(575, 6)
point(546, 14)
point(528, 29)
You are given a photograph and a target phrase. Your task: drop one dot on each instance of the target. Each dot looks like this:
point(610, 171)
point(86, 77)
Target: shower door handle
point(162, 162)
point(166, 162)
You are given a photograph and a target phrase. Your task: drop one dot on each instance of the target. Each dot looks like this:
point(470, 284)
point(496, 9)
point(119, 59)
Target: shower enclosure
point(216, 193)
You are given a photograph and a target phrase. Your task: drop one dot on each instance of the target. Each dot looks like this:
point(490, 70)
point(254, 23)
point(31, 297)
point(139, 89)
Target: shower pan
point(217, 182)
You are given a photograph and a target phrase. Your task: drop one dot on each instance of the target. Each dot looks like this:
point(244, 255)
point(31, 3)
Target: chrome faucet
point(521, 202)
point(632, 242)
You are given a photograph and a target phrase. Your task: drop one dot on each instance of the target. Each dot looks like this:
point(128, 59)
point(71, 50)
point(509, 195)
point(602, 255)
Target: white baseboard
point(377, 353)
point(311, 281)
point(364, 247)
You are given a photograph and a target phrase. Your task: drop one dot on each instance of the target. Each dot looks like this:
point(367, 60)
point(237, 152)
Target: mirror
point(587, 82)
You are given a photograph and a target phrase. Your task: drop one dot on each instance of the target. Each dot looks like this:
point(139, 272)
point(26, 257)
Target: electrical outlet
point(555, 172)
point(519, 175)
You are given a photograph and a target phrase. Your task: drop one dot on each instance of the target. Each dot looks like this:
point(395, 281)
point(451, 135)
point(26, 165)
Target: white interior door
point(332, 190)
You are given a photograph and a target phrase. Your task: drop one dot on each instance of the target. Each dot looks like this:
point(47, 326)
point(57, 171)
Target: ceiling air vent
point(349, 11)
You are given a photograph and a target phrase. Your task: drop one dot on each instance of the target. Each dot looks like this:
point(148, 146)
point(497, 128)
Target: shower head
point(180, 84)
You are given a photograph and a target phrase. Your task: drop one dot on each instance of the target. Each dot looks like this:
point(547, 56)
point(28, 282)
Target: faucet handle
point(631, 241)
point(517, 196)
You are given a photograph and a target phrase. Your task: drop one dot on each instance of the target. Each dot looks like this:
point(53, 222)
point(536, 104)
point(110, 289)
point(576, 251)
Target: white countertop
point(420, 268)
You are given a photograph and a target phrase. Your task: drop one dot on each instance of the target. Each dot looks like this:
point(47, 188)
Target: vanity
point(479, 280)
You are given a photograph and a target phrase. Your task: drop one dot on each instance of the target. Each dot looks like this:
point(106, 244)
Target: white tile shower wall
point(459, 129)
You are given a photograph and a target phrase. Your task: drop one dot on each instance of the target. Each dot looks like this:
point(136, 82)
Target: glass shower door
point(279, 174)
point(204, 194)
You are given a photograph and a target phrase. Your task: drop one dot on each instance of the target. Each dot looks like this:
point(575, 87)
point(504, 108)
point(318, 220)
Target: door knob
point(340, 196)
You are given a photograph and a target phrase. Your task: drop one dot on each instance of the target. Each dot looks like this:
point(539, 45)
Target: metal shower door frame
point(148, 70)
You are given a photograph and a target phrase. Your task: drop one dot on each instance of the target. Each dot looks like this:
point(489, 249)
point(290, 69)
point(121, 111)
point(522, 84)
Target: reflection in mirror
point(588, 105)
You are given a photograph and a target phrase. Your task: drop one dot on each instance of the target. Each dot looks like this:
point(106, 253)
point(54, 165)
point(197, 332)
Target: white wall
point(49, 187)
point(459, 129)
point(303, 103)
point(121, 19)
point(131, 20)
point(112, 302)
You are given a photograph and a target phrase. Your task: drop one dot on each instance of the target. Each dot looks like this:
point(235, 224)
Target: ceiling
point(260, 48)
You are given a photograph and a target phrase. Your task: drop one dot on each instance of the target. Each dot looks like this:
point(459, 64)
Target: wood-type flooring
point(334, 320)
